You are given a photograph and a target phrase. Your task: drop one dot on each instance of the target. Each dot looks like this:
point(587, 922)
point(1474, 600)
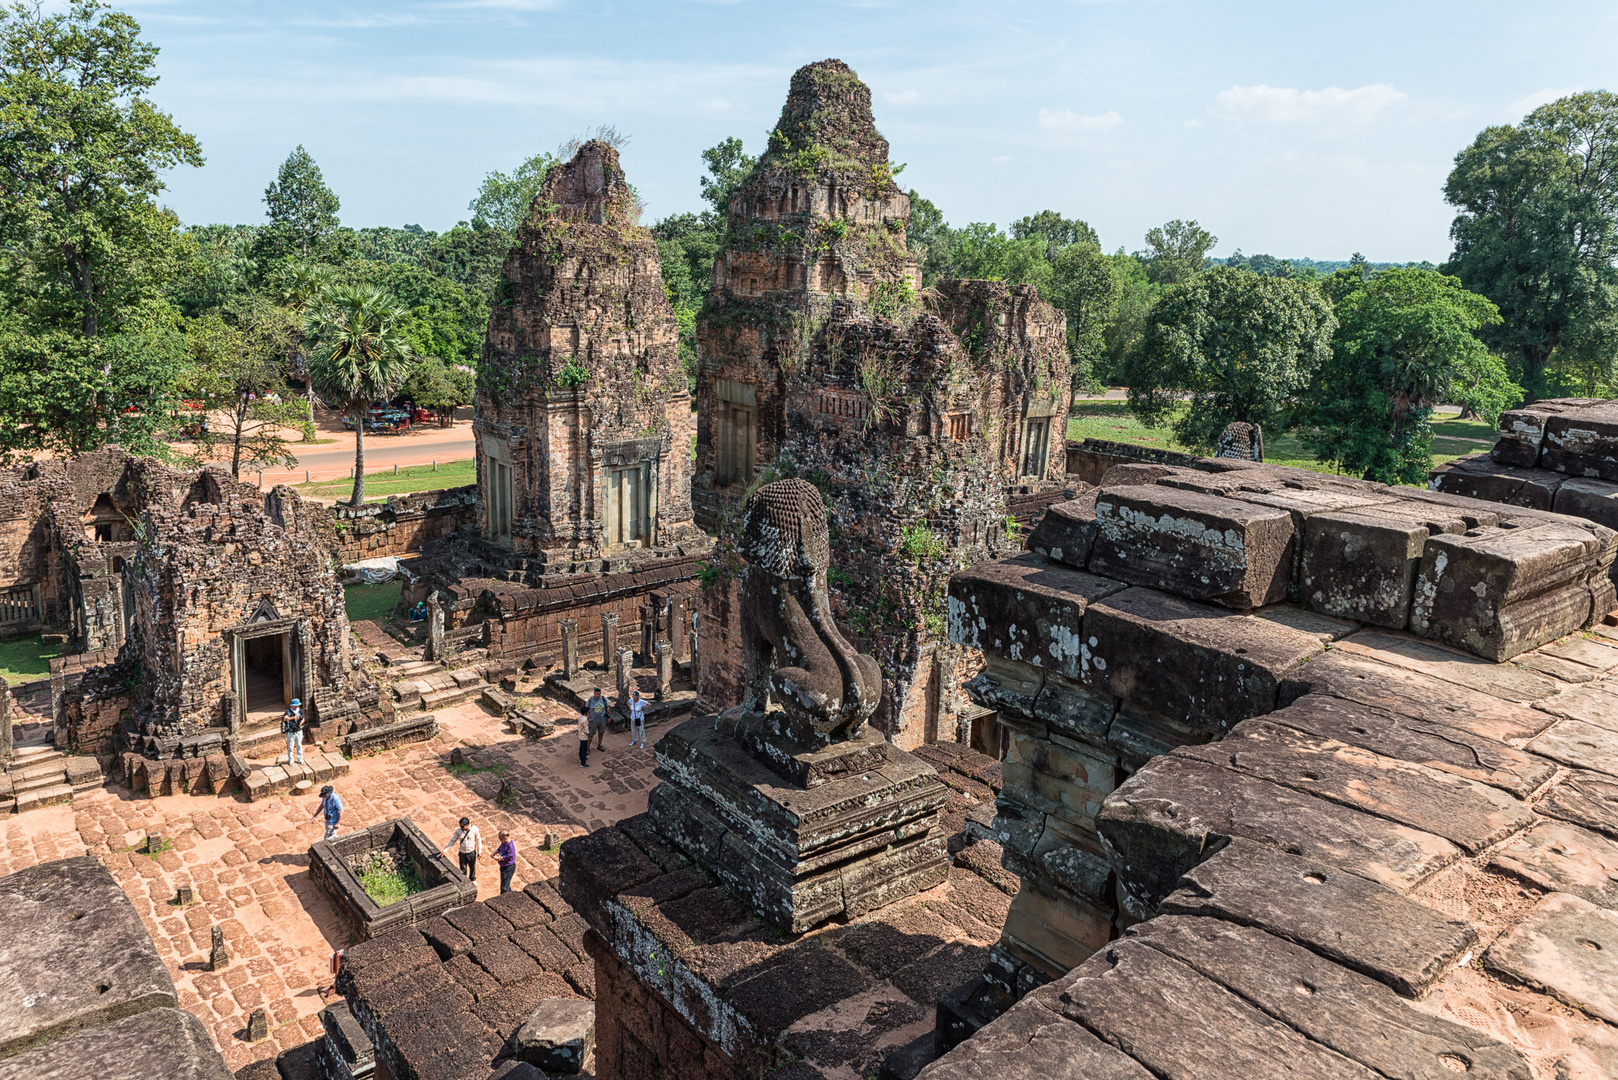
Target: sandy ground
point(335, 459)
point(248, 862)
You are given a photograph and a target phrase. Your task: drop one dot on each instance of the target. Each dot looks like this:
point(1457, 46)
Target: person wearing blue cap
point(292, 728)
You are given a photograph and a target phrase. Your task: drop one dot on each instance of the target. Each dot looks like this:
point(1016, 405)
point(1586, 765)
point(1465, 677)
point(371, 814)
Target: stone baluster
point(609, 638)
point(625, 674)
point(675, 625)
point(5, 724)
point(648, 632)
point(665, 669)
point(570, 648)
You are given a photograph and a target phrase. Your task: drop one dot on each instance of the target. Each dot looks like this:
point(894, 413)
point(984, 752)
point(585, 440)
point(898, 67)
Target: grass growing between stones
point(411, 478)
point(1113, 421)
point(26, 659)
point(371, 601)
point(388, 878)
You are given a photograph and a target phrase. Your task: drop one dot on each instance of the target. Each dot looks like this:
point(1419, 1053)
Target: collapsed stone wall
point(402, 524)
point(915, 412)
point(1559, 455)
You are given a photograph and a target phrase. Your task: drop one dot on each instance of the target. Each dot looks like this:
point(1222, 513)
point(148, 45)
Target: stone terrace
point(248, 861)
point(1347, 850)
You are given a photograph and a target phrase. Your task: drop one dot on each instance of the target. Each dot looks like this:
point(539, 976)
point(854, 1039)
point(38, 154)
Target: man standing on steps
point(468, 844)
point(292, 728)
point(596, 710)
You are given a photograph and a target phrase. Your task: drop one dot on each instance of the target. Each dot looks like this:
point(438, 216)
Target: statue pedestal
point(800, 834)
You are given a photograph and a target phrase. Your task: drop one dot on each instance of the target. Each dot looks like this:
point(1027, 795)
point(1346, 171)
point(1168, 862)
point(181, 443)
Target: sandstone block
point(1582, 442)
point(1498, 592)
point(1593, 500)
point(1559, 857)
point(558, 1037)
point(1067, 532)
point(1584, 798)
point(1194, 664)
point(1480, 476)
point(1025, 609)
point(1198, 546)
point(157, 1044)
point(1567, 947)
point(1031, 1042)
point(1361, 564)
point(1355, 922)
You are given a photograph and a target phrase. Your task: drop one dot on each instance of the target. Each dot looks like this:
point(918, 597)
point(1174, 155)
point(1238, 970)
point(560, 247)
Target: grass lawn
point(412, 478)
point(26, 659)
point(371, 601)
point(1113, 420)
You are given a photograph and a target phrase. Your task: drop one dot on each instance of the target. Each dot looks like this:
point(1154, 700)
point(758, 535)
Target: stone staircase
point(428, 687)
point(41, 775)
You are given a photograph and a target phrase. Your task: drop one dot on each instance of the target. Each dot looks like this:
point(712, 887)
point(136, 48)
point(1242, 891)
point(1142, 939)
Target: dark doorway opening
point(268, 689)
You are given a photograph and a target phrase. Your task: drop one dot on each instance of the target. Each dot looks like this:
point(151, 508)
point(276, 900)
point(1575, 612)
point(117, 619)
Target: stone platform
point(575, 692)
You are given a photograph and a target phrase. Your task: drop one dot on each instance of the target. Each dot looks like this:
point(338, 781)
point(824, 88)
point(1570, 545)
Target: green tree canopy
point(729, 165)
point(238, 377)
point(89, 345)
point(1057, 231)
point(1406, 340)
point(503, 199)
point(1239, 345)
point(1177, 251)
point(356, 356)
point(301, 208)
point(1537, 230)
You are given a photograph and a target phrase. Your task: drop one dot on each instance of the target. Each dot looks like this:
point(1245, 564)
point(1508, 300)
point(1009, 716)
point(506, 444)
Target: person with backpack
point(596, 709)
point(332, 806)
point(292, 728)
point(637, 720)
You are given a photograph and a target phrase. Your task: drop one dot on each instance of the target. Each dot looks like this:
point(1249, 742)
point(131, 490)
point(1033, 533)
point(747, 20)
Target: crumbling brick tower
point(583, 413)
point(920, 414)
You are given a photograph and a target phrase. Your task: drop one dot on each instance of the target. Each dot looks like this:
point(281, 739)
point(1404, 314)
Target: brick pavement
point(248, 862)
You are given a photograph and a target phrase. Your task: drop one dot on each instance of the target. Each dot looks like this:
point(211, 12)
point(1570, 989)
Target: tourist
point(637, 720)
point(584, 740)
point(596, 710)
point(331, 804)
point(292, 728)
point(506, 856)
point(468, 844)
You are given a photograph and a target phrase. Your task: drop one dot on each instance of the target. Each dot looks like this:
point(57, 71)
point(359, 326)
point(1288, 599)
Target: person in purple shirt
point(506, 856)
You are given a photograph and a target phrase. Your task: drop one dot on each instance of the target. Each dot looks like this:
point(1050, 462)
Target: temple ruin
point(931, 420)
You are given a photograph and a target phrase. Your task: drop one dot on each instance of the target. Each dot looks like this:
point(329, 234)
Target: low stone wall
point(1089, 461)
point(446, 887)
point(386, 736)
point(402, 524)
point(526, 623)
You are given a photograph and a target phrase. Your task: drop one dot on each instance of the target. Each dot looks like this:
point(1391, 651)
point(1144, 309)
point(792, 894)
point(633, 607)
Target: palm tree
point(356, 355)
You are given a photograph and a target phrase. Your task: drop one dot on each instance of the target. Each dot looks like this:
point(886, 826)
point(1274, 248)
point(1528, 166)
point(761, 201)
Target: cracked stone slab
point(1032, 1042)
point(1580, 745)
point(1440, 746)
point(1567, 947)
point(1595, 703)
point(1560, 857)
point(84, 960)
point(1139, 999)
point(1496, 680)
point(1357, 923)
point(1164, 820)
point(1584, 798)
point(1465, 812)
point(158, 1044)
point(1358, 1017)
point(1583, 650)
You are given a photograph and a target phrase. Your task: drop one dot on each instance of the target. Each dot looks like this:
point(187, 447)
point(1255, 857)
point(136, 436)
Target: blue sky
point(1297, 129)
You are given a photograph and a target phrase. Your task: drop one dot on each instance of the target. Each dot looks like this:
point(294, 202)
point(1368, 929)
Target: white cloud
point(1194, 123)
point(1286, 105)
point(908, 97)
point(1068, 120)
point(1525, 105)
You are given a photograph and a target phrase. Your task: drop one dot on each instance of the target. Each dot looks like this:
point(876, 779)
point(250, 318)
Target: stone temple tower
point(922, 415)
point(583, 413)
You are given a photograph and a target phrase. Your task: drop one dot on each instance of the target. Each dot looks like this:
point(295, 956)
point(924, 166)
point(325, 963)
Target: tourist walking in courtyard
point(468, 844)
point(637, 719)
point(506, 856)
point(584, 739)
point(292, 728)
point(331, 804)
point(596, 709)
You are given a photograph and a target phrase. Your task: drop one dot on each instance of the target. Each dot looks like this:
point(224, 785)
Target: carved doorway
point(266, 667)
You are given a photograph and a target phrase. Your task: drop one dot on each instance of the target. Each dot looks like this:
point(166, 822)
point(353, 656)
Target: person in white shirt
point(468, 844)
point(637, 720)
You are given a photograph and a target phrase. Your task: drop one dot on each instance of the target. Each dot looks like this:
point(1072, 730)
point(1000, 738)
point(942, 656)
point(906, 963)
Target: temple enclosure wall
point(402, 524)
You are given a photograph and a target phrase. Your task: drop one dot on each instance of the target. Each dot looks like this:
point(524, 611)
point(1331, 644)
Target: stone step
point(34, 754)
point(46, 796)
point(35, 779)
point(433, 700)
point(415, 669)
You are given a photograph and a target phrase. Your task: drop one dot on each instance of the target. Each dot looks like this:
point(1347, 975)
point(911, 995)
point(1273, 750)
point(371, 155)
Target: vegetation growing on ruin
point(387, 876)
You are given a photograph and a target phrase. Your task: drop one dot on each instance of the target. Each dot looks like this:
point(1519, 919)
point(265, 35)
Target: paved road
point(335, 459)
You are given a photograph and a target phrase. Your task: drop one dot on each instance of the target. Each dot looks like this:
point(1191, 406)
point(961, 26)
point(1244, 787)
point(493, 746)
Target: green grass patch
point(387, 879)
point(371, 601)
point(412, 478)
point(26, 659)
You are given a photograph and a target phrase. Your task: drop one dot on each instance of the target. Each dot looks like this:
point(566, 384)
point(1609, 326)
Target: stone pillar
point(233, 721)
point(665, 670)
point(218, 955)
point(5, 723)
point(609, 638)
point(435, 629)
point(648, 632)
point(570, 648)
point(676, 624)
point(58, 714)
point(625, 674)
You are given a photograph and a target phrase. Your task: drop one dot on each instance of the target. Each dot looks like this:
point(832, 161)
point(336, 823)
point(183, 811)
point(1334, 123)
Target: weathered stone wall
point(402, 524)
point(910, 411)
point(528, 622)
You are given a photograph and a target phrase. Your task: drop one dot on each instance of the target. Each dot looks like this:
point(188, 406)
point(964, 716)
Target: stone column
point(626, 675)
point(648, 632)
point(665, 670)
point(609, 638)
point(676, 624)
point(233, 721)
point(5, 723)
point(435, 629)
point(58, 713)
point(570, 648)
